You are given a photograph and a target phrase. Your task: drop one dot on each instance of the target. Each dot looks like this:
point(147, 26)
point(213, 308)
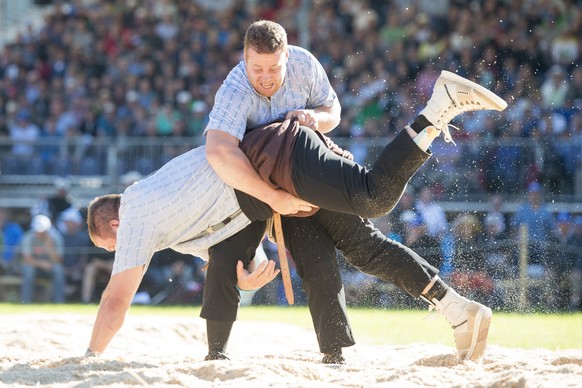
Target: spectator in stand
point(564, 227)
point(106, 126)
point(432, 213)
point(199, 118)
point(555, 88)
point(403, 212)
point(574, 96)
point(55, 204)
point(575, 247)
point(99, 267)
point(64, 119)
point(541, 227)
point(469, 266)
point(76, 244)
point(503, 165)
point(496, 215)
point(417, 238)
point(50, 148)
point(496, 239)
point(42, 255)
point(497, 248)
point(24, 133)
point(10, 235)
point(567, 150)
point(4, 131)
point(498, 256)
point(165, 118)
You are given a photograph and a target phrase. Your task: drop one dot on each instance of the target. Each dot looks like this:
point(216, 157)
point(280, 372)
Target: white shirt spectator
point(24, 134)
point(432, 213)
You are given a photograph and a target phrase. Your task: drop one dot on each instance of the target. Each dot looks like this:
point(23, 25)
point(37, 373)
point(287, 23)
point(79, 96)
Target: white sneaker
point(470, 321)
point(453, 95)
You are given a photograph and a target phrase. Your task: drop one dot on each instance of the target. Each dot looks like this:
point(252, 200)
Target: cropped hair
point(100, 212)
point(265, 37)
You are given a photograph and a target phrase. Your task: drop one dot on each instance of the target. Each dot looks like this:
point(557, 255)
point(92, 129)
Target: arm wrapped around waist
point(270, 151)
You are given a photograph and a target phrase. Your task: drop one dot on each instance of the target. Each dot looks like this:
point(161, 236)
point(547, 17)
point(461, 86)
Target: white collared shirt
point(168, 208)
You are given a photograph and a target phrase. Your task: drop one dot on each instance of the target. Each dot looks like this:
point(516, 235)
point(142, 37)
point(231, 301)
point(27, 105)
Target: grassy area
point(529, 331)
point(377, 326)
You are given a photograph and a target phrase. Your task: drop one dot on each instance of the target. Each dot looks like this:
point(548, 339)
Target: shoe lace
point(447, 134)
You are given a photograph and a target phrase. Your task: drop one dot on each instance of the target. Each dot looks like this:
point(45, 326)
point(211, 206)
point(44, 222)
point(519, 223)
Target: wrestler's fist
point(284, 203)
point(306, 118)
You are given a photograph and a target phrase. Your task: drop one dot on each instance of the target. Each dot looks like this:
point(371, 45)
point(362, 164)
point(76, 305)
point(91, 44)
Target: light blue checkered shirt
point(237, 106)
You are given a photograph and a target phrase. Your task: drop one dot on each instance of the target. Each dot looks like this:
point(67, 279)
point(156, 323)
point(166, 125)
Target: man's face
point(266, 71)
point(108, 238)
point(535, 197)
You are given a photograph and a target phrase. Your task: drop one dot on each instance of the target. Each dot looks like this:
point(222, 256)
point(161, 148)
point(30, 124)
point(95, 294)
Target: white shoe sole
point(496, 102)
point(482, 321)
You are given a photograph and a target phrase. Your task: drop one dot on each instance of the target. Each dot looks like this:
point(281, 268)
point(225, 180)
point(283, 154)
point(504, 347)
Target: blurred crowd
point(55, 261)
point(104, 69)
point(143, 69)
point(478, 253)
point(485, 254)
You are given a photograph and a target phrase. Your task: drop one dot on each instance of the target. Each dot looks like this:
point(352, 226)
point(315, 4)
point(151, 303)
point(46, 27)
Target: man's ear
point(114, 224)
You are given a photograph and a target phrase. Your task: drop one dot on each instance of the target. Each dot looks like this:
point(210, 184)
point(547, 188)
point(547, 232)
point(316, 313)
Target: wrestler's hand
point(284, 203)
point(264, 273)
point(306, 117)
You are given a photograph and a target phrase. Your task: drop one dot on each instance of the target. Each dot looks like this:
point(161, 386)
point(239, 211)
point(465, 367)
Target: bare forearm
point(110, 318)
point(114, 304)
point(234, 168)
point(328, 118)
point(322, 119)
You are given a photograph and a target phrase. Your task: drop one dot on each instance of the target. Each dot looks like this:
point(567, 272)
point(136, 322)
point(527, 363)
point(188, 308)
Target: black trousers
point(315, 258)
point(345, 191)
point(338, 184)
